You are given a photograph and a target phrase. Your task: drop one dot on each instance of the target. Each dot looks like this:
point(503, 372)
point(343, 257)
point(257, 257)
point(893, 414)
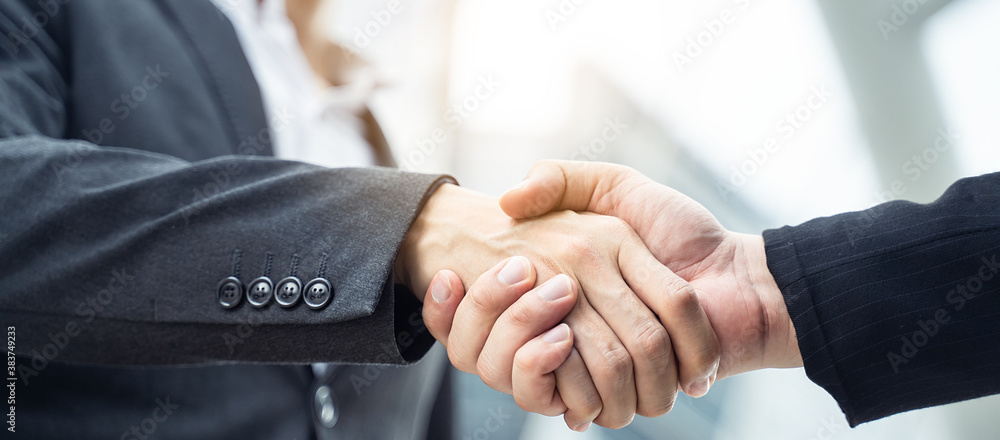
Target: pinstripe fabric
point(897, 307)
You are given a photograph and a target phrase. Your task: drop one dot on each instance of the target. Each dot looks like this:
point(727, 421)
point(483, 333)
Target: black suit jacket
point(898, 307)
point(135, 176)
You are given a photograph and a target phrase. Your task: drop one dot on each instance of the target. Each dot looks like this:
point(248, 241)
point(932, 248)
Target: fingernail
point(440, 290)
point(517, 187)
point(558, 334)
point(523, 184)
point(515, 271)
point(557, 287)
point(583, 427)
point(699, 389)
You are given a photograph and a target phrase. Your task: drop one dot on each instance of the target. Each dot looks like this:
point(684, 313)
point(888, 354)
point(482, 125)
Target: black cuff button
point(230, 292)
point(318, 293)
point(288, 292)
point(259, 293)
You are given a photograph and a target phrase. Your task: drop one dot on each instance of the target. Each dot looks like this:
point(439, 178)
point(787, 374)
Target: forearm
point(895, 307)
point(127, 239)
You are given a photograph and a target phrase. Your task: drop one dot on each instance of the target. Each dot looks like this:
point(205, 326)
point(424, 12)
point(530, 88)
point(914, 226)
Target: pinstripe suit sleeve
point(897, 307)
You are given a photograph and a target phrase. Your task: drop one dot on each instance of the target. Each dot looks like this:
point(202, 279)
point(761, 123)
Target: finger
point(528, 317)
point(646, 341)
point(553, 185)
point(676, 303)
point(578, 392)
point(440, 303)
point(534, 379)
point(609, 363)
point(484, 302)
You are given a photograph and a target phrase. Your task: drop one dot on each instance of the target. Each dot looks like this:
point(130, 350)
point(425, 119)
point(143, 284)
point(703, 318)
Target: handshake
point(616, 291)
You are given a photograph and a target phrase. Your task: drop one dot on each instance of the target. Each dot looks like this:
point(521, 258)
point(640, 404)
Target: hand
point(621, 343)
point(517, 334)
point(727, 270)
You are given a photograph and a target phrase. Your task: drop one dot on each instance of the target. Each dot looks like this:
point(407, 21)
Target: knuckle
point(459, 361)
point(583, 253)
point(541, 404)
point(528, 404)
point(579, 245)
point(616, 421)
point(616, 366)
point(653, 342)
point(520, 316)
point(621, 296)
point(489, 373)
point(682, 295)
point(482, 300)
point(525, 363)
point(659, 408)
point(584, 401)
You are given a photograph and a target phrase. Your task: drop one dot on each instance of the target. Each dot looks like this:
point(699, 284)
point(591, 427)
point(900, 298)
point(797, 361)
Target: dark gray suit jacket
point(134, 177)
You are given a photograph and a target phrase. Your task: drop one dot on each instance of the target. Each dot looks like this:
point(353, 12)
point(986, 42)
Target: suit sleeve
point(115, 255)
point(898, 307)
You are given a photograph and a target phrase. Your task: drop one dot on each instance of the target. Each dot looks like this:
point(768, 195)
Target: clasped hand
point(628, 287)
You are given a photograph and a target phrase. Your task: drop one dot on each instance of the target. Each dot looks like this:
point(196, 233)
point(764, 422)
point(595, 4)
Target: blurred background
point(769, 112)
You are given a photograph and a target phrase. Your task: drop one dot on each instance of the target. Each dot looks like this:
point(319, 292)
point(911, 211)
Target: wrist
point(781, 347)
point(444, 235)
point(407, 258)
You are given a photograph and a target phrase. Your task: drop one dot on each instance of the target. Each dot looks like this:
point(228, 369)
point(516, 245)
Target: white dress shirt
point(309, 122)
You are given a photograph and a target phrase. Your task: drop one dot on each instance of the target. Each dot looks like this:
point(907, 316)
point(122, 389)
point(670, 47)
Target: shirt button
point(317, 293)
point(288, 292)
point(230, 292)
point(326, 411)
point(259, 293)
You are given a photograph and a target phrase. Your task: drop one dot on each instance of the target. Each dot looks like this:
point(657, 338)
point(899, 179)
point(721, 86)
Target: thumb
point(443, 296)
point(556, 185)
point(541, 191)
